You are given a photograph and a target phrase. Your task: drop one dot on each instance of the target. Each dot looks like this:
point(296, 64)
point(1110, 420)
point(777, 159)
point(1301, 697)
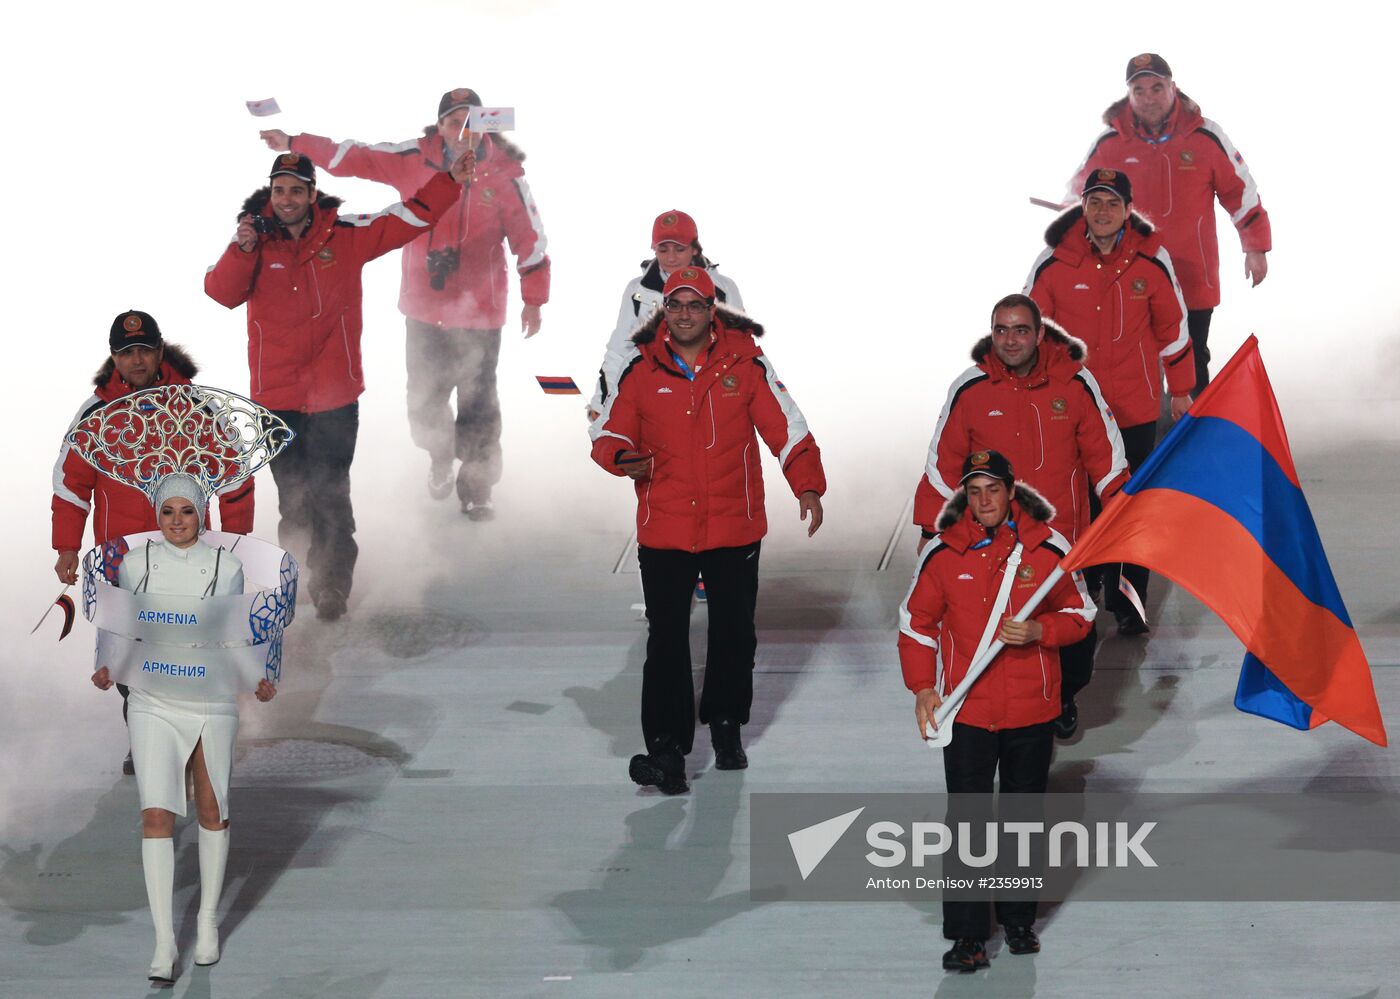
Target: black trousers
point(1198, 326)
point(441, 361)
point(971, 763)
point(668, 694)
point(313, 496)
point(1077, 664)
point(1138, 443)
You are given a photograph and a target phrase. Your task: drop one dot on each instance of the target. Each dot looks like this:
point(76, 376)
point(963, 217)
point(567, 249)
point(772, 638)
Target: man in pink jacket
point(453, 291)
point(1181, 163)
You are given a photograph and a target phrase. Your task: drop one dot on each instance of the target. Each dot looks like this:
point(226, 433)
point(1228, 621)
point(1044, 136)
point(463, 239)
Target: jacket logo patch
point(1026, 572)
point(1139, 286)
point(663, 390)
point(965, 575)
point(276, 266)
point(487, 193)
point(1188, 157)
point(1081, 287)
point(1058, 405)
point(995, 412)
point(1131, 159)
point(730, 381)
point(326, 254)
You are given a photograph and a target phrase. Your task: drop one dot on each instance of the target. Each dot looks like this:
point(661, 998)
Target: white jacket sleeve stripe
point(906, 621)
point(1086, 608)
point(931, 465)
point(1119, 463)
point(1183, 337)
point(1070, 193)
point(378, 147)
point(60, 488)
point(400, 211)
point(537, 255)
point(796, 422)
point(1249, 200)
point(1040, 260)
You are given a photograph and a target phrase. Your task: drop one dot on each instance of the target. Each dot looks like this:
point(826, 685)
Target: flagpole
point(953, 701)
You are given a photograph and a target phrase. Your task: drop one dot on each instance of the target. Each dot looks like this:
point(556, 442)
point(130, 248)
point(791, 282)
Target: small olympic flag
point(491, 120)
point(557, 385)
point(261, 109)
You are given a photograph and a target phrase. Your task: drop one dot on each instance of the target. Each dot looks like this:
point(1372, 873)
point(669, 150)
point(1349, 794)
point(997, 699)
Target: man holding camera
point(297, 266)
point(453, 293)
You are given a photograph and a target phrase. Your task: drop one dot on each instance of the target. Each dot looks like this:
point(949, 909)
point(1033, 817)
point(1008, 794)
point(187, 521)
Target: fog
point(862, 171)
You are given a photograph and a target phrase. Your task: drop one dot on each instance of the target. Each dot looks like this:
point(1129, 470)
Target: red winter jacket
point(706, 486)
point(123, 509)
point(1126, 307)
point(1052, 424)
point(945, 612)
point(304, 295)
point(497, 207)
point(1176, 181)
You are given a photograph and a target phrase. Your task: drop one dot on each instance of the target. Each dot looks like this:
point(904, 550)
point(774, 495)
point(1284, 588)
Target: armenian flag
point(557, 385)
point(1218, 508)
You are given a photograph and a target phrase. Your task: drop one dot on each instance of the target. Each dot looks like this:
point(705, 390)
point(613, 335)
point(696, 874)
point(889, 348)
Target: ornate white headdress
point(217, 437)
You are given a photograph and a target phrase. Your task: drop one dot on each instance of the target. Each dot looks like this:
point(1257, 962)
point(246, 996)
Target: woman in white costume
point(169, 734)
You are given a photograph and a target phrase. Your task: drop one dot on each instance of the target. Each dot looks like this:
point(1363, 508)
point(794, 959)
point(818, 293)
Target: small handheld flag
point(261, 109)
point(66, 602)
point(1130, 594)
point(557, 385)
point(491, 120)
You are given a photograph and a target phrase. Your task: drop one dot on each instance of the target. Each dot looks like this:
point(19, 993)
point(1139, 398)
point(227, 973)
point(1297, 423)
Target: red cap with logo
point(673, 227)
point(694, 278)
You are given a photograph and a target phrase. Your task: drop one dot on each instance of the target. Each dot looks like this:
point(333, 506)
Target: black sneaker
point(966, 955)
point(1130, 625)
point(663, 771)
point(1021, 940)
point(729, 751)
point(129, 766)
point(479, 511)
point(1068, 723)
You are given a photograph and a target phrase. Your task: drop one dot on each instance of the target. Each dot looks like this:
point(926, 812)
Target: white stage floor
point(437, 803)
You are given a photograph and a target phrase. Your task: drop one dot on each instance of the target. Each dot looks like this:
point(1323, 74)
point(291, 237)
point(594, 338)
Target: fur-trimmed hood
point(256, 203)
point(175, 357)
point(1063, 225)
point(1186, 109)
point(1032, 504)
point(1054, 333)
point(732, 319)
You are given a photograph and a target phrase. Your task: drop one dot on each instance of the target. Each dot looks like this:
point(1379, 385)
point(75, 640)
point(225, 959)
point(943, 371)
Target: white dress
point(164, 730)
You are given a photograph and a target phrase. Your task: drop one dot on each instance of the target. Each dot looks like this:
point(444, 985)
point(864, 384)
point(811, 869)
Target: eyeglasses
point(697, 308)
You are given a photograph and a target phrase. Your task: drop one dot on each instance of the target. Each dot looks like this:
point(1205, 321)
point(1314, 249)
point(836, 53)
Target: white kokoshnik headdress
point(168, 441)
point(217, 437)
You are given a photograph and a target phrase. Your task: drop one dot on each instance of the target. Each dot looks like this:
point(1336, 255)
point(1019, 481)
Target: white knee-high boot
point(213, 858)
point(158, 863)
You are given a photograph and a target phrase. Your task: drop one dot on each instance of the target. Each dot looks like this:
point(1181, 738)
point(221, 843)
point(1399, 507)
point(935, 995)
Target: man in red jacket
point(453, 292)
point(684, 425)
point(297, 265)
point(1181, 163)
point(140, 359)
point(1029, 397)
point(1004, 725)
point(1106, 278)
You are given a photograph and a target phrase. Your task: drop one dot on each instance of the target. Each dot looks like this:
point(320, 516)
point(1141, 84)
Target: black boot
point(663, 768)
point(729, 752)
point(1068, 723)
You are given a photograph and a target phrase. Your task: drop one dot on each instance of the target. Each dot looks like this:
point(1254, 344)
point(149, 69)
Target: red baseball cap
point(697, 279)
point(673, 227)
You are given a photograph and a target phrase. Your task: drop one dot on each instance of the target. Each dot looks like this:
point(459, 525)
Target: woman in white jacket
point(676, 242)
point(169, 734)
